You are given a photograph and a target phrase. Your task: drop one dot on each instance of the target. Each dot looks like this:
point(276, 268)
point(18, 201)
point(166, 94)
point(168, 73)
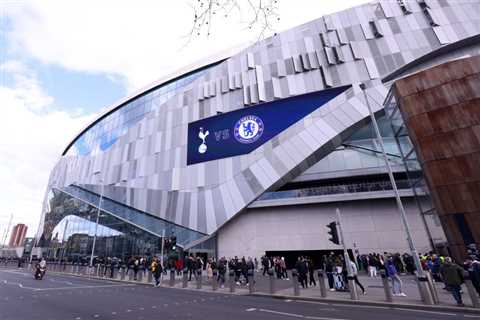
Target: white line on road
point(294, 315)
point(470, 316)
point(83, 287)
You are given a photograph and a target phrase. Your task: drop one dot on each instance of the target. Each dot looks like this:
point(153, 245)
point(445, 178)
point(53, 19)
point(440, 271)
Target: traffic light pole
point(421, 277)
point(162, 248)
point(350, 278)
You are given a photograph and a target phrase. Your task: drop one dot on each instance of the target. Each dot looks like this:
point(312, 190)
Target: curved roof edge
point(404, 70)
point(195, 66)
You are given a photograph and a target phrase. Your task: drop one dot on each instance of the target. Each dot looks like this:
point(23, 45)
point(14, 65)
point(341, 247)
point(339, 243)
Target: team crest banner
point(242, 131)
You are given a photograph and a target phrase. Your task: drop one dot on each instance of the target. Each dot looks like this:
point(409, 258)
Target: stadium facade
point(252, 152)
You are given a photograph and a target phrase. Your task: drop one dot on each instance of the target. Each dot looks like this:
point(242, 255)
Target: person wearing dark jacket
point(190, 264)
point(329, 266)
point(136, 267)
point(452, 275)
point(222, 269)
point(302, 270)
point(311, 272)
point(472, 265)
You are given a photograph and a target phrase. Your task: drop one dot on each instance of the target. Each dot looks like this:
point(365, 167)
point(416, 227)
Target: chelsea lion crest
point(248, 129)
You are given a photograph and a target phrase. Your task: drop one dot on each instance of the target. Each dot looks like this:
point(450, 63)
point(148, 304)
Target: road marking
point(426, 311)
point(281, 313)
point(294, 315)
point(470, 316)
point(83, 287)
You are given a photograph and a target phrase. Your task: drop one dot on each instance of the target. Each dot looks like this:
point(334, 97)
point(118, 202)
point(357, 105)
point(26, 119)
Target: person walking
point(190, 267)
point(302, 270)
point(222, 269)
point(265, 264)
point(136, 267)
point(329, 269)
point(355, 276)
point(311, 272)
point(156, 269)
point(472, 265)
point(372, 265)
point(452, 275)
point(392, 273)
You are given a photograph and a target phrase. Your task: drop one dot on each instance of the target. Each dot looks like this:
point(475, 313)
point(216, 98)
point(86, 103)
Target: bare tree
point(258, 15)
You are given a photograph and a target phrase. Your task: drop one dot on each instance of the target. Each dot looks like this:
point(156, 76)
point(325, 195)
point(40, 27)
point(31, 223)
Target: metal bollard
point(172, 278)
point(149, 277)
point(424, 288)
point(185, 278)
point(432, 287)
point(130, 275)
point(199, 278)
point(353, 288)
point(122, 273)
point(471, 290)
point(231, 280)
point(296, 286)
point(140, 276)
point(271, 277)
point(214, 280)
point(321, 283)
point(251, 281)
point(386, 286)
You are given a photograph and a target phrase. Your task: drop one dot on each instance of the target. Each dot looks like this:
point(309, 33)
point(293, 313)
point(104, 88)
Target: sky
point(64, 62)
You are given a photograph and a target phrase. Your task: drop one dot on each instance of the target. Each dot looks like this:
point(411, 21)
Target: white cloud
point(139, 41)
point(31, 143)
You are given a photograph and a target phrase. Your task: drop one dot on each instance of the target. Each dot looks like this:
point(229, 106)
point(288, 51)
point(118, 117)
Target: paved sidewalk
point(284, 289)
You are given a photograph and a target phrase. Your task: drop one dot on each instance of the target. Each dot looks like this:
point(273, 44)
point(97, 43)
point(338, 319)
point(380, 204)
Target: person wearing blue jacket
point(392, 273)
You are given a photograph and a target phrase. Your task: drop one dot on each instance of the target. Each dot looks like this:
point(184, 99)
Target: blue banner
point(242, 131)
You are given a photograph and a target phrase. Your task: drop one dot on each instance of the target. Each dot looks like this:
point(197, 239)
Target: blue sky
point(91, 92)
point(63, 62)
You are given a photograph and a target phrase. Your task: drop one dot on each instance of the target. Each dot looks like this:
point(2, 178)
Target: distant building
point(17, 237)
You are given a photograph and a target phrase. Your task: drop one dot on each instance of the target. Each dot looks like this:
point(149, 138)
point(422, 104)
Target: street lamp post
point(424, 289)
point(96, 224)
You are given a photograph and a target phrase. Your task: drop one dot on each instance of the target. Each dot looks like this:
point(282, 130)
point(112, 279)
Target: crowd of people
point(442, 268)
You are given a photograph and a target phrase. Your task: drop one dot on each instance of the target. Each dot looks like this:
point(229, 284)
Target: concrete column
point(321, 283)
point(271, 281)
point(296, 286)
point(386, 286)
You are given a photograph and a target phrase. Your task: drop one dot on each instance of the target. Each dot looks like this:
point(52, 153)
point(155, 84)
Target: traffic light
point(173, 242)
point(333, 232)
